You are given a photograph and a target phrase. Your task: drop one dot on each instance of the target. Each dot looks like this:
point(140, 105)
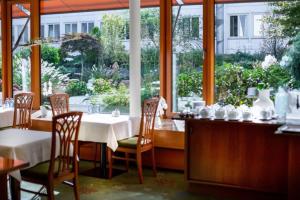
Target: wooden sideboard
point(242, 160)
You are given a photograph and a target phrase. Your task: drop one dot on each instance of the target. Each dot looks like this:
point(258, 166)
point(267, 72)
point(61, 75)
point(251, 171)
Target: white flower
point(269, 60)
point(285, 61)
point(90, 84)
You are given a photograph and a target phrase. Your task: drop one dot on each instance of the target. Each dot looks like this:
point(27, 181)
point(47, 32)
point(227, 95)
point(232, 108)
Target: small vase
point(263, 103)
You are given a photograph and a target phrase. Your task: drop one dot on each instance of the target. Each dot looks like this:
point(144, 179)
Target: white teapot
point(233, 114)
point(220, 113)
point(205, 112)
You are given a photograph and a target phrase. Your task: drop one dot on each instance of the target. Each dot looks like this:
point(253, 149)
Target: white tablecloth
point(28, 145)
point(101, 128)
point(6, 117)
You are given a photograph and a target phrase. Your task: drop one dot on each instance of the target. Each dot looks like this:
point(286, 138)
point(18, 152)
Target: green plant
point(53, 75)
point(118, 98)
point(189, 82)
point(102, 86)
point(232, 81)
point(76, 88)
point(294, 54)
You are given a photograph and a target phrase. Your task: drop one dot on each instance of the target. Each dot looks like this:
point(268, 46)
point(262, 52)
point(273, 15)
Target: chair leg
point(109, 155)
point(153, 162)
point(140, 167)
point(127, 161)
point(95, 155)
point(75, 188)
point(50, 192)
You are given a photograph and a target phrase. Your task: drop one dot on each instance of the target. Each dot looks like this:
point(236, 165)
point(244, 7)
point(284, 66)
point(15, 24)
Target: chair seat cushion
point(129, 142)
point(39, 171)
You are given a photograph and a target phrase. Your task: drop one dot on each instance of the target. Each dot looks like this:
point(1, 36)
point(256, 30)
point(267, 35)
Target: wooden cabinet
point(238, 155)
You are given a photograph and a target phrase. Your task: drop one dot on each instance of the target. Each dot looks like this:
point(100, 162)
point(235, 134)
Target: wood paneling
point(242, 155)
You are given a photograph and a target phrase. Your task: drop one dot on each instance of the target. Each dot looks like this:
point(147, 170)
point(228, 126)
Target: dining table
point(104, 129)
point(7, 166)
point(30, 146)
point(6, 117)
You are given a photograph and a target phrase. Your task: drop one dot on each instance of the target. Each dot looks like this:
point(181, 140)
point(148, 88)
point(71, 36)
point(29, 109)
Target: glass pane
point(92, 68)
point(67, 28)
point(0, 59)
point(21, 50)
point(84, 27)
point(264, 56)
point(74, 28)
point(150, 27)
point(187, 56)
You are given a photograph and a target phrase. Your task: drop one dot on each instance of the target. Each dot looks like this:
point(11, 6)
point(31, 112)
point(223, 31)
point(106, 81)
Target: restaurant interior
point(150, 99)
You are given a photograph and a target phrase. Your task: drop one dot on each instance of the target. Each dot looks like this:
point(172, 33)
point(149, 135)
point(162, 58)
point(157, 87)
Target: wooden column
point(4, 29)
point(166, 52)
point(35, 56)
point(209, 51)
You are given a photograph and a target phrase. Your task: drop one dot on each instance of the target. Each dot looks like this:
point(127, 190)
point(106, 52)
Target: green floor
point(167, 185)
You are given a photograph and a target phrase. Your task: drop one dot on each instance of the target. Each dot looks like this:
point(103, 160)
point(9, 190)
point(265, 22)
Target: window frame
point(165, 49)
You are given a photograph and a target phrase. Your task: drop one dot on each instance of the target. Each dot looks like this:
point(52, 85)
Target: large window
point(21, 52)
point(91, 64)
point(252, 50)
point(187, 55)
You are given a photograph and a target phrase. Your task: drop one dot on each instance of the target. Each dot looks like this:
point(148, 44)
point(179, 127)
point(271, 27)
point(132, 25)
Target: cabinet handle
point(190, 131)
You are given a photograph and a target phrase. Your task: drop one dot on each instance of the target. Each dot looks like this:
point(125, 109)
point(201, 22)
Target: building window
point(233, 26)
point(189, 27)
point(87, 27)
point(238, 26)
point(70, 28)
point(195, 27)
point(42, 31)
point(54, 31)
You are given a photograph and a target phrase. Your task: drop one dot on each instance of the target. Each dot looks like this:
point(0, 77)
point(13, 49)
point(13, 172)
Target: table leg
point(103, 160)
point(3, 187)
point(15, 189)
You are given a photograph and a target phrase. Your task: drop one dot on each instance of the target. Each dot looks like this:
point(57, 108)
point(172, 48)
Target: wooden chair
point(22, 110)
point(59, 103)
point(62, 166)
point(141, 143)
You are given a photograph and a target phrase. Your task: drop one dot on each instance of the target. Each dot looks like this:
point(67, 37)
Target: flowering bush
point(101, 86)
point(269, 61)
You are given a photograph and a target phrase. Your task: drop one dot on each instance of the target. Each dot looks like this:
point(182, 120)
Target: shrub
point(77, 88)
point(294, 55)
point(189, 82)
point(118, 98)
point(102, 86)
point(232, 81)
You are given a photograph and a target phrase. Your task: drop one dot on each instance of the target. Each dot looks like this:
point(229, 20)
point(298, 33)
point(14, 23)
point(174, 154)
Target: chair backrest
point(59, 103)
point(149, 109)
point(22, 110)
point(64, 149)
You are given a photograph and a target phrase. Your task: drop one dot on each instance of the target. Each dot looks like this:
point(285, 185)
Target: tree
point(287, 14)
point(80, 52)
